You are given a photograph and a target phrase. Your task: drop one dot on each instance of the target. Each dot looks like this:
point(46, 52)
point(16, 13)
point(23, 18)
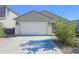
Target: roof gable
point(12, 11)
point(52, 15)
point(34, 16)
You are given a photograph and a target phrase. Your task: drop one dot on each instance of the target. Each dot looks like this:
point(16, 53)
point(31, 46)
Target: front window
point(2, 12)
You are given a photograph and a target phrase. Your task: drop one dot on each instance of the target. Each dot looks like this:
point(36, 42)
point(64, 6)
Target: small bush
point(66, 32)
point(2, 34)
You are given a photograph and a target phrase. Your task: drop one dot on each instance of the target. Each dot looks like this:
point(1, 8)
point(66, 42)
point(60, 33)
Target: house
point(31, 23)
point(6, 18)
point(36, 23)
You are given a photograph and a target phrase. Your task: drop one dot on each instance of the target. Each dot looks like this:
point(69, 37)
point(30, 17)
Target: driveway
point(29, 45)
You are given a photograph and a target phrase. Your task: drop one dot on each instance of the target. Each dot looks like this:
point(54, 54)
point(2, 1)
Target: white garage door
point(33, 28)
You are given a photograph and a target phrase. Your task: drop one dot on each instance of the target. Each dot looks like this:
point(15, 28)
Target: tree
point(2, 33)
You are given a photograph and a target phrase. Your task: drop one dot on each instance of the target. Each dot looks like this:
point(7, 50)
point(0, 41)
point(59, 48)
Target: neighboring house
point(36, 23)
point(6, 18)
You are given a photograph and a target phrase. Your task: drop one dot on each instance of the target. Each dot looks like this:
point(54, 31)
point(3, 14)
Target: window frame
point(2, 12)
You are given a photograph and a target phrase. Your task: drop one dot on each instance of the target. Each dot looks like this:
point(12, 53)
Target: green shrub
point(65, 31)
point(2, 34)
point(77, 32)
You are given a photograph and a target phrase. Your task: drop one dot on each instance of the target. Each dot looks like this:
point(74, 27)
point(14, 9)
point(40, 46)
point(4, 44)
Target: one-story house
point(35, 23)
point(31, 23)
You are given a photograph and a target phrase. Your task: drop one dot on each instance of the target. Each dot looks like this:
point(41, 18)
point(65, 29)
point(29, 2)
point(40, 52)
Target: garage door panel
point(33, 28)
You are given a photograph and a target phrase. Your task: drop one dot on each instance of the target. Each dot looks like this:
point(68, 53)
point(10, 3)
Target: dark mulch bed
point(67, 49)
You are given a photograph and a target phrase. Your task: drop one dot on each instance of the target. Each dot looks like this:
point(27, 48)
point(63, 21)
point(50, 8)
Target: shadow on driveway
point(34, 46)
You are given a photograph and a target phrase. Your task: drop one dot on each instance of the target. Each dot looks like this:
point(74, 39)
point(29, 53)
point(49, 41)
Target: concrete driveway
point(29, 45)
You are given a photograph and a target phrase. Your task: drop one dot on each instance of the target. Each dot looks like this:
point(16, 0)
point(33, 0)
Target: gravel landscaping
point(67, 49)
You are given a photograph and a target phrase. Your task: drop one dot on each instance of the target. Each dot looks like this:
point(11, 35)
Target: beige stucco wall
point(17, 30)
point(49, 29)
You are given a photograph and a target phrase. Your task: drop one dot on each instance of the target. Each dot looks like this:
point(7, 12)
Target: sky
point(70, 12)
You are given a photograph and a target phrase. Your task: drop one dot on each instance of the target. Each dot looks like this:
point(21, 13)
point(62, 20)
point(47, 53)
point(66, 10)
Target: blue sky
point(70, 12)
